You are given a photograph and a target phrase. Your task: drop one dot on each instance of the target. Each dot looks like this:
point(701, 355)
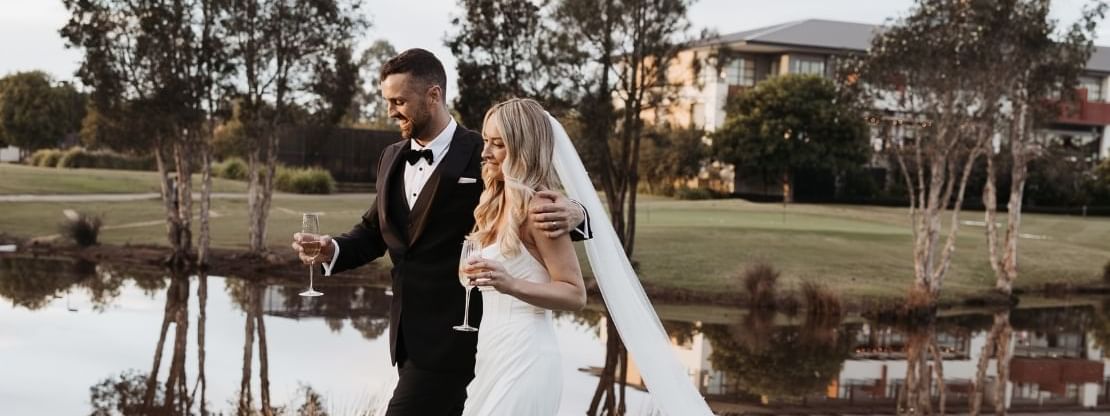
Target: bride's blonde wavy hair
point(528, 167)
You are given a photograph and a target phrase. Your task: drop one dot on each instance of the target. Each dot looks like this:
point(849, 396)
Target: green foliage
point(78, 157)
point(668, 154)
point(782, 363)
point(336, 85)
point(123, 394)
point(33, 283)
point(368, 103)
point(695, 194)
point(503, 50)
point(82, 228)
point(45, 157)
point(761, 282)
point(34, 113)
point(304, 181)
point(232, 168)
point(791, 122)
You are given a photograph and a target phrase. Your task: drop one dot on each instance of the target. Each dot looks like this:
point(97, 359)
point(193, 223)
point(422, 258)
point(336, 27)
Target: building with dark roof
point(812, 46)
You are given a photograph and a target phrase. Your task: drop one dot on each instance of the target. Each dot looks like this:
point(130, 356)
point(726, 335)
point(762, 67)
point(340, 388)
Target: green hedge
point(45, 157)
point(232, 168)
point(304, 181)
point(78, 157)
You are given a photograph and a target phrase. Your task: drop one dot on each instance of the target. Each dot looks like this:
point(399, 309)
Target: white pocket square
point(467, 180)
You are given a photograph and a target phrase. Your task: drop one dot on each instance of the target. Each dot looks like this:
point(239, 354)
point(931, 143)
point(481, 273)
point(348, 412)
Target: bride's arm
point(565, 291)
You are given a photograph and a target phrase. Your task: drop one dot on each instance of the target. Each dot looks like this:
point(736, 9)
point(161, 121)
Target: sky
point(29, 28)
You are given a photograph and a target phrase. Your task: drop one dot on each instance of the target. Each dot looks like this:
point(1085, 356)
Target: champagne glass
point(470, 250)
point(310, 224)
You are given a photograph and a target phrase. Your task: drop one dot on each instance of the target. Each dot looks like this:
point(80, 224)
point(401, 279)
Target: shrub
point(38, 156)
point(232, 168)
point(304, 181)
point(820, 300)
point(50, 158)
point(761, 282)
point(81, 227)
point(694, 193)
point(78, 157)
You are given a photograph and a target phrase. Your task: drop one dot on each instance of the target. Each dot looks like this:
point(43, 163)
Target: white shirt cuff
point(328, 266)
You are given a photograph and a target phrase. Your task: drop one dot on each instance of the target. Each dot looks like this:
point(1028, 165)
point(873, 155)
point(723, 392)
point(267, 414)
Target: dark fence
point(351, 155)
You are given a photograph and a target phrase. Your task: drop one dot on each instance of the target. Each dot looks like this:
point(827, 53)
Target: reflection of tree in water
point(121, 395)
point(997, 346)
point(33, 283)
point(366, 307)
point(784, 362)
point(1100, 328)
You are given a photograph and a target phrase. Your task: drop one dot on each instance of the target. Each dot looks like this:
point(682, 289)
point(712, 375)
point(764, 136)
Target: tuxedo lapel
point(390, 233)
point(442, 180)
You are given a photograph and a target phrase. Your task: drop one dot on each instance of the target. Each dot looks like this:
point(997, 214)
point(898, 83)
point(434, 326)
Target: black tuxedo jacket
point(424, 244)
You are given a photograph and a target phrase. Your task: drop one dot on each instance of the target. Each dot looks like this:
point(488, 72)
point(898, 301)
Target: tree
point(336, 86)
point(791, 122)
point(372, 110)
point(153, 76)
point(670, 154)
point(275, 43)
point(35, 112)
point(1030, 66)
point(504, 50)
point(620, 50)
point(927, 73)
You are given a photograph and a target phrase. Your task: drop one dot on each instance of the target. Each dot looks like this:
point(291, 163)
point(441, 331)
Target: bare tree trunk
point(204, 240)
point(170, 202)
point(245, 406)
point(605, 390)
point(261, 191)
point(202, 300)
point(152, 378)
point(1002, 347)
point(938, 370)
point(978, 384)
point(175, 380)
point(263, 355)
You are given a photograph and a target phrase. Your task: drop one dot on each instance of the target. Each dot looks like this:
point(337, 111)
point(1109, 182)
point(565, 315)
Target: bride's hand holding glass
point(492, 274)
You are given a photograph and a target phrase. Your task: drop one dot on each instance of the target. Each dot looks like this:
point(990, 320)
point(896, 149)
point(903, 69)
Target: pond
point(77, 337)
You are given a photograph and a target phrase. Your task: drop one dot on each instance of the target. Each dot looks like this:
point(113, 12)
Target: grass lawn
point(21, 179)
point(861, 251)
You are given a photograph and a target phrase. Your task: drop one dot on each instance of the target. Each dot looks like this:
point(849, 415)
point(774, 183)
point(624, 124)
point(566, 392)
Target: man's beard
point(418, 127)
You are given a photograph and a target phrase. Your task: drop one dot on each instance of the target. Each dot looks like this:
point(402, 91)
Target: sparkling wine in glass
point(310, 224)
point(470, 250)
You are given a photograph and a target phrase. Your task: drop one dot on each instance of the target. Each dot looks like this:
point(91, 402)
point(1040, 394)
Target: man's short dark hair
point(418, 63)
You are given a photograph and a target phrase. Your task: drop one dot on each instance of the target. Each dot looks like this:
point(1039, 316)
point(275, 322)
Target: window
point(810, 66)
point(1093, 85)
point(741, 71)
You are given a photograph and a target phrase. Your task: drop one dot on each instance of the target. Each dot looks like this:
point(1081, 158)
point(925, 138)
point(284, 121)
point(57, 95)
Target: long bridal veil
point(667, 380)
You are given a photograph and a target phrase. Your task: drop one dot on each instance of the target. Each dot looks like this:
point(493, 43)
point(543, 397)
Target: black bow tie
point(412, 156)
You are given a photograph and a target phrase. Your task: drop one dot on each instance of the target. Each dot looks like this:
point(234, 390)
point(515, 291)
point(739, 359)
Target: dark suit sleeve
point(583, 231)
point(362, 244)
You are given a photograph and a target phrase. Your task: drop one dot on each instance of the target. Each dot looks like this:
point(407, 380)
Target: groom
point(427, 189)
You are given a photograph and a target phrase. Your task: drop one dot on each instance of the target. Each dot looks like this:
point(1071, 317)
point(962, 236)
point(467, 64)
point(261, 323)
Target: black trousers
point(422, 392)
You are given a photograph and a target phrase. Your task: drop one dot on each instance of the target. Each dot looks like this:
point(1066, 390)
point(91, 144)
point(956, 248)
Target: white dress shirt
point(416, 176)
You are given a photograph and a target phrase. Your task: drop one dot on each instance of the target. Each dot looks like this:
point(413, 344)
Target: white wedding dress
point(517, 369)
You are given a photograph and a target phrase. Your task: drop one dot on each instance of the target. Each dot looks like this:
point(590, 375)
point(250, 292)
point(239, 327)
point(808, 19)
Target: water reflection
point(157, 344)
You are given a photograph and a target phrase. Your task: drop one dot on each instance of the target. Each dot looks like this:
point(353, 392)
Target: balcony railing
point(1082, 111)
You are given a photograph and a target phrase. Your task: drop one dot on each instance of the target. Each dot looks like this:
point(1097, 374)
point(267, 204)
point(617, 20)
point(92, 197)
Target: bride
point(517, 369)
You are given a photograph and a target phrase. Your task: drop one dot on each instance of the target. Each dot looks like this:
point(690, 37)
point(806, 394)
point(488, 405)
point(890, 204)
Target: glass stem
point(466, 310)
point(310, 270)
